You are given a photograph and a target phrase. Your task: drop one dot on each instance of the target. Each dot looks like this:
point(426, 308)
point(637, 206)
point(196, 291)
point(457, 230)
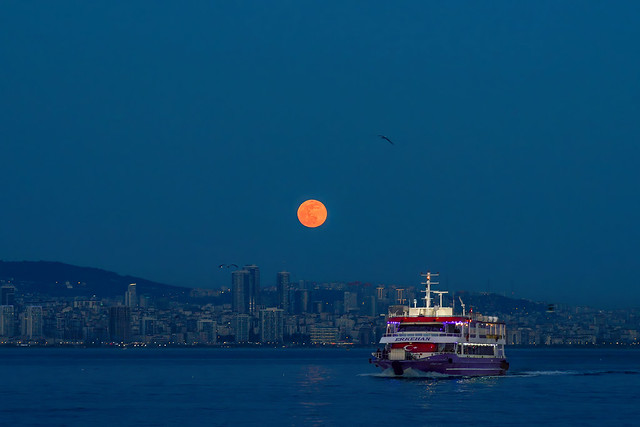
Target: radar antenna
point(440, 293)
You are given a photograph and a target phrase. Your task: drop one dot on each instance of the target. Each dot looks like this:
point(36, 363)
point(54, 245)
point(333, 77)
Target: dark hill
point(498, 305)
point(59, 279)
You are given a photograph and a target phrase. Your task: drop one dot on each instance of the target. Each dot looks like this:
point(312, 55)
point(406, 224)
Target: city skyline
point(228, 275)
point(315, 314)
point(186, 136)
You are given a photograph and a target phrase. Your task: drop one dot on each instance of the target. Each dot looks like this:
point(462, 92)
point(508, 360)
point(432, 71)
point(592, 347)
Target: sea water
point(315, 386)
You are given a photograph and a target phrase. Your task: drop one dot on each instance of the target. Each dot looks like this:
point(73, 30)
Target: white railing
point(422, 334)
point(443, 334)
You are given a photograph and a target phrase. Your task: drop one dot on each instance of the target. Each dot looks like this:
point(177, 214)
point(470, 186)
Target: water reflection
point(311, 383)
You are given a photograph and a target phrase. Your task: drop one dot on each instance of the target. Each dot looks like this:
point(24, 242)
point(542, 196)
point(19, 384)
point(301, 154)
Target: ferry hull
point(444, 365)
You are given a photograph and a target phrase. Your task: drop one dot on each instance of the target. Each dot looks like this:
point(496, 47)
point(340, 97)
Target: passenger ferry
point(433, 341)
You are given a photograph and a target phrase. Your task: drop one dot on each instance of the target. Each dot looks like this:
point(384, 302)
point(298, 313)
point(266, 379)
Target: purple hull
point(445, 364)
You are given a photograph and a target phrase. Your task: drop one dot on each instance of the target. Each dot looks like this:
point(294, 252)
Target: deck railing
point(441, 334)
point(423, 334)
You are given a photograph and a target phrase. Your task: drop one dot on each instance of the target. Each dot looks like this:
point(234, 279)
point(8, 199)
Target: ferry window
point(447, 348)
point(421, 328)
point(479, 350)
point(452, 328)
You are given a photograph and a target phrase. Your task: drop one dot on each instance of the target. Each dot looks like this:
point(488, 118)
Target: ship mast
point(428, 283)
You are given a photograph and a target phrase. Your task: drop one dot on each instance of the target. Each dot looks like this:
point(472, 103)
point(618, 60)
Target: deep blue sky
point(162, 139)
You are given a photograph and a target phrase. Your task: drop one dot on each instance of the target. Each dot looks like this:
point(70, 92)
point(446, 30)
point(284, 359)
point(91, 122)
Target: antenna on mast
point(428, 283)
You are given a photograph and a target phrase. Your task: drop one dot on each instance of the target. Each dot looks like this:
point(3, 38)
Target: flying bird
point(386, 139)
point(227, 265)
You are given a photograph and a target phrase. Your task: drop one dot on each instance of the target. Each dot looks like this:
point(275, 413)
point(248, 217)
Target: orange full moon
point(312, 213)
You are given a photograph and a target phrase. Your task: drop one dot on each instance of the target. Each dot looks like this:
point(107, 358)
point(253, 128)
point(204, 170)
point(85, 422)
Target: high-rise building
point(271, 325)
point(130, 297)
point(317, 306)
point(350, 300)
point(283, 285)
point(240, 291)
point(119, 323)
point(32, 322)
point(254, 287)
point(369, 305)
point(7, 295)
point(148, 325)
point(241, 326)
point(300, 301)
point(7, 321)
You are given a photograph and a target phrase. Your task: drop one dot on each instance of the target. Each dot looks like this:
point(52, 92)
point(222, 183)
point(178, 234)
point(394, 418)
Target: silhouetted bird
point(227, 265)
point(386, 139)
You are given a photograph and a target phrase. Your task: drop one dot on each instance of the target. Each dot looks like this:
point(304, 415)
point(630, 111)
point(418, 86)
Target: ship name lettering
point(412, 339)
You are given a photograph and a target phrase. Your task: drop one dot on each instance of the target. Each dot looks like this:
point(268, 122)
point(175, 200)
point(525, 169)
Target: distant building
point(120, 323)
point(207, 331)
point(130, 297)
point(148, 325)
point(338, 307)
point(7, 321)
point(322, 335)
point(369, 305)
point(254, 287)
point(271, 325)
point(300, 301)
point(514, 337)
point(240, 291)
point(350, 300)
point(366, 335)
point(7, 295)
point(32, 322)
point(145, 301)
point(241, 326)
point(317, 306)
point(283, 280)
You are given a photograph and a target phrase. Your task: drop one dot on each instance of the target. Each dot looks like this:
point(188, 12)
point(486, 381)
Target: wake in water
point(410, 374)
point(574, 373)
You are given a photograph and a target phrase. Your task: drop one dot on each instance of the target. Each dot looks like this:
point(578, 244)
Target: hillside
point(498, 305)
point(59, 279)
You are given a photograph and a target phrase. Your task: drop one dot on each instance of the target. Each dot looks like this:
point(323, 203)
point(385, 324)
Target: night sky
point(161, 139)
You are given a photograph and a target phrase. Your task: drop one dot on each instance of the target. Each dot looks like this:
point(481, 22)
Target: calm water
point(308, 387)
